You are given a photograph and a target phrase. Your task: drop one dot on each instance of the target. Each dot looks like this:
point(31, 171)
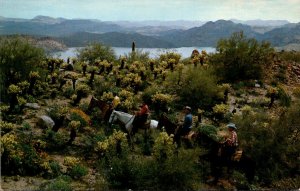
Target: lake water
point(153, 52)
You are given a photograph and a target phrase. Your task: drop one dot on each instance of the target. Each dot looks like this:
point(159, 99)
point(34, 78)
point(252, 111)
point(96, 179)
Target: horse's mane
point(170, 127)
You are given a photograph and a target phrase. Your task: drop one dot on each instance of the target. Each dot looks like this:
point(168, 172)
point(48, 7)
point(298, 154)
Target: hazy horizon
point(155, 10)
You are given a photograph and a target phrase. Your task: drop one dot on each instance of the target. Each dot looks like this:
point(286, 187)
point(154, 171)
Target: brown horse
point(106, 109)
point(217, 157)
point(172, 128)
point(168, 125)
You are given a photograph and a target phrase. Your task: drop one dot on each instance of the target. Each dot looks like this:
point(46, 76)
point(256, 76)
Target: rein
point(129, 120)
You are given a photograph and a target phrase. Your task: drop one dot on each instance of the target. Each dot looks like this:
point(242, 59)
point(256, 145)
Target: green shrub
point(208, 130)
point(59, 184)
point(239, 58)
point(26, 126)
point(96, 51)
point(68, 92)
point(18, 57)
point(6, 127)
point(78, 171)
point(284, 97)
point(271, 143)
point(197, 88)
point(55, 168)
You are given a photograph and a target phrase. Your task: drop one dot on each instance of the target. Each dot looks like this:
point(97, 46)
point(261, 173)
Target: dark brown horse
point(106, 109)
point(167, 124)
point(172, 128)
point(217, 157)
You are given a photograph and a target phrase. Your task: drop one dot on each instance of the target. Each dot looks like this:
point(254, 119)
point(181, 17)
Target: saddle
point(147, 123)
point(190, 135)
point(237, 156)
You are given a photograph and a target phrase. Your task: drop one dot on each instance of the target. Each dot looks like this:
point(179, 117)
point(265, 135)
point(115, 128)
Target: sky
point(165, 10)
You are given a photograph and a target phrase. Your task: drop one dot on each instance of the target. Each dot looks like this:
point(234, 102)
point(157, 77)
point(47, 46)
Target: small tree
point(33, 76)
point(13, 91)
point(81, 92)
point(17, 58)
point(239, 58)
point(96, 51)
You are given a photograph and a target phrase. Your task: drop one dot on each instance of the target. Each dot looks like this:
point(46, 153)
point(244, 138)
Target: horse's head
point(112, 117)
point(165, 122)
point(92, 103)
point(102, 105)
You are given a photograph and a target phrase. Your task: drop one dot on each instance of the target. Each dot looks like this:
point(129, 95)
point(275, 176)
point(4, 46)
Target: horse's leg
point(216, 170)
point(247, 165)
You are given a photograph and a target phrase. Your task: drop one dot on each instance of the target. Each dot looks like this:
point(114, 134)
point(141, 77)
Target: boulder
point(45, 121)
point(32, 105)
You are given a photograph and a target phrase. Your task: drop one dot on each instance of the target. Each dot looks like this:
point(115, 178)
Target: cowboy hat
point(231, 125)
point(188, 108)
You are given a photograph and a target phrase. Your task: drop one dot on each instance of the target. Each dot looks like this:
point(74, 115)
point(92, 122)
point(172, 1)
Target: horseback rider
point(231, 143)
point(116, 101)
point(185, 128)
point(187, 123)
point(141, 116)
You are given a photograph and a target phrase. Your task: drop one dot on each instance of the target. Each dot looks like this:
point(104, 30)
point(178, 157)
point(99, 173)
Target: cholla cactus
point(6, 126)
point(84, 67)
point(151, 64)
point(54, 78)
point(114, 145)
point(161, 98)
point(93, 69)
point(107, 96)
point(9, 145)
point(102, 147)
point(73, 125)
point(164, 147)
point(196, 60)
point(24, 85)
point(272, 93)
point(21, 101)
point(81, 91)
point(124, 94)
point(225, 88)
point(33, 76)
point(161, 101)
point(13, 90)
point(199, 115)
point(220, 110)
point(203, 57)
point(123, 60)
point(128, 103)
point(71, 161)
point(247, 110)
point(74, 78)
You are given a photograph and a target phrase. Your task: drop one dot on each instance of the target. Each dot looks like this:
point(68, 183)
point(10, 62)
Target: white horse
point(127, 120)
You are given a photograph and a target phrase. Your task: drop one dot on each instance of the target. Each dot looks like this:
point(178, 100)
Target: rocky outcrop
point(45, 121)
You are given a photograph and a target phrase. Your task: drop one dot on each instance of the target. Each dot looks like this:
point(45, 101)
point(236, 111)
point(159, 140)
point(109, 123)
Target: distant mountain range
point(146, 34)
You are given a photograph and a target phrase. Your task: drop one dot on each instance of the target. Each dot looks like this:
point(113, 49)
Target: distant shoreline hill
point(152, 34)
point(49, 44)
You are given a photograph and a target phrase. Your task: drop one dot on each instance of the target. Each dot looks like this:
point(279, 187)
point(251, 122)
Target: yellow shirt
point(116, 101)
